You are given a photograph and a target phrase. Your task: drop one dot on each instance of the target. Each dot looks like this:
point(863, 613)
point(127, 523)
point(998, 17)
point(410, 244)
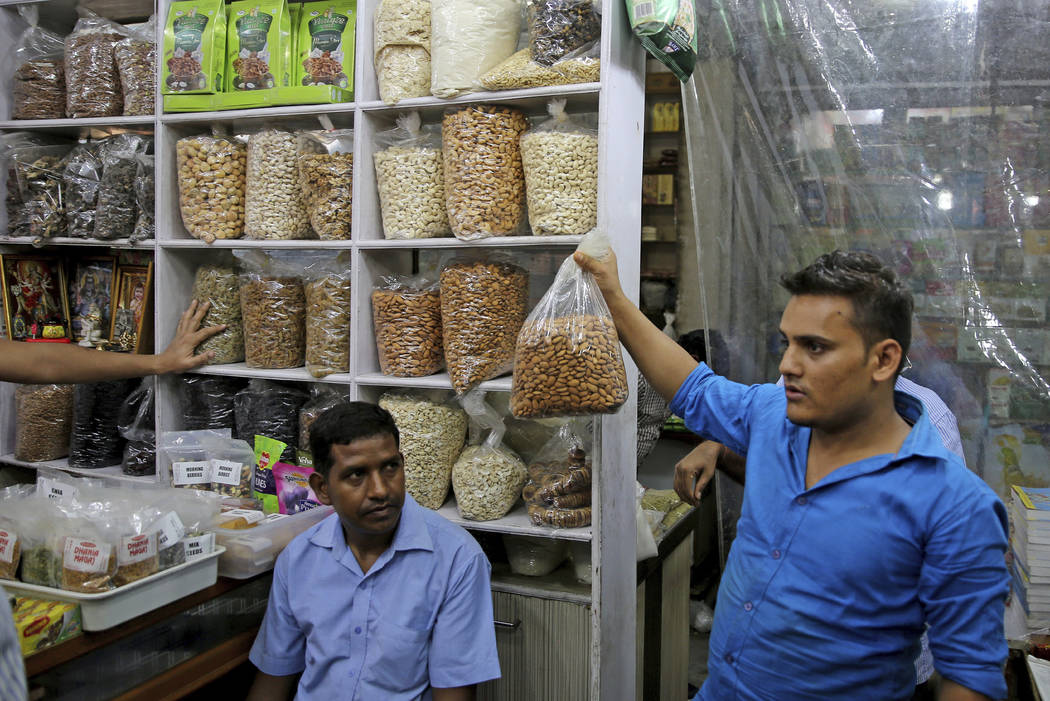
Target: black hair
point(882, 305)
point(345, 423)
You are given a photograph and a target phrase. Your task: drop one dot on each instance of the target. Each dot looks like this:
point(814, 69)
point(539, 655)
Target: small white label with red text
point(7, 546)
point(86, 555)
point(137, 548)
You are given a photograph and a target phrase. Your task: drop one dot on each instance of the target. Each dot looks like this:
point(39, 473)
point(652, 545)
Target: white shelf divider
point(517, 522)
point(112, 472)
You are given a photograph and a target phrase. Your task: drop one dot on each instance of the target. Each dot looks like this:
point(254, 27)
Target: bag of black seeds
point(137, 425)
point(95, 440)
point(207, 402)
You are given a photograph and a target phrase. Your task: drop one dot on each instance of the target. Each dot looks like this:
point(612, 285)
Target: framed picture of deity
point(91, 298)
point(36, 307)
point(132, 326)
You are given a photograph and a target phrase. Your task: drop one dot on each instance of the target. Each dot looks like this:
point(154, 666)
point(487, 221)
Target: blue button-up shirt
point(420, 617)
point(827, 589)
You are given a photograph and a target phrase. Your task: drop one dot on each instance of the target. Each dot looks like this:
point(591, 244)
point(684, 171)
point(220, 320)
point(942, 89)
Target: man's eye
point(815, 347)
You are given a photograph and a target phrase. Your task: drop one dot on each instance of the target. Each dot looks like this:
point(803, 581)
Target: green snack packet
point(194, 47)
point(267, 453)
point(258, 45)
point(667, 30)
point(326, 44)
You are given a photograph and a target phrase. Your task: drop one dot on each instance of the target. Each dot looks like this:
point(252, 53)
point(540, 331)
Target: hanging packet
point(487, 478)
point(667, 30)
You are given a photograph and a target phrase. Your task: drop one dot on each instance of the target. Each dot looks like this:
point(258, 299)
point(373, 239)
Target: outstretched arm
point(663, 362)
point(60, 363)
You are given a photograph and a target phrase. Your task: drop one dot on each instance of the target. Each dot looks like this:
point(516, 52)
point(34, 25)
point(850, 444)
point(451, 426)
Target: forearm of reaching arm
point(46, 363)
point(950, 691)
point(459, 693)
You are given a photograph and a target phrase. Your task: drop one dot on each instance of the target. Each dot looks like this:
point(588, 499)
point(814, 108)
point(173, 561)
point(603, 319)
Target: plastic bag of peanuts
point(484, 182)
point(273, 202)
point(483, 305)
point(211, 185)
point(488, 477)
point(326, 287)
point(326, 180)
point(406, 312)
point(410, 175)
point(568, 360)
point(560, 158)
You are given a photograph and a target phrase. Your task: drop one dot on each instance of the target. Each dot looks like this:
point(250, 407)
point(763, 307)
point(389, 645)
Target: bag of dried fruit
point(568, 360)
point(326, 287)
point(406, 313)
point(326, 180)
point(488, 477)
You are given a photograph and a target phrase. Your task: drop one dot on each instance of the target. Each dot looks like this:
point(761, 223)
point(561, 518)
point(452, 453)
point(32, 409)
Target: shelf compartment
point(438, 381)
point(66, 241)
point(305, 244)
point(112, 472)
point(495, 241)
point(560, 585)
point(579, 96)
point(517, 522)
point(76, 125)
point(289, 374)
point(341, 111)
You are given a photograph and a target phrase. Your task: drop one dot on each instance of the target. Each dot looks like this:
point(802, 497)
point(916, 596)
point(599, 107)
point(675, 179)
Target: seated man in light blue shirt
point(858, 527)
point(384, 599)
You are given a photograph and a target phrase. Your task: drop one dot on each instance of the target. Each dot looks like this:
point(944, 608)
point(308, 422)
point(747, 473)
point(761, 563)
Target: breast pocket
point(401, 654)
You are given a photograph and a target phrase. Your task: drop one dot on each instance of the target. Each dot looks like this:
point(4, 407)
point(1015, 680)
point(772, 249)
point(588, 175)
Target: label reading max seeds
point(199, 545)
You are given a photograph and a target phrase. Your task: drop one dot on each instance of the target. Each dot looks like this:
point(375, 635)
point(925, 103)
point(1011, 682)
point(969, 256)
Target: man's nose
point(377, 486)
point(788, 363)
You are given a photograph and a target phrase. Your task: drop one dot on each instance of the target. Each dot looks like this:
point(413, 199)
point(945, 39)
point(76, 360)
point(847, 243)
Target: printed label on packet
point(55, 490)
point(7, 546)
point(249, 515)
point(194, 472)
point(226, 472)
point(169, 529)
point(199, 545)
point(275, 517)
point(136, 548)
point(86, 555)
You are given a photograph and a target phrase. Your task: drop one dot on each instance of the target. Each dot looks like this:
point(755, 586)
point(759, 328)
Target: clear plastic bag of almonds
point(402, 49)
point(568, 360)
point(38, 90)
point(211, 171)
point(136, 58)
point(433, 428)
point(484, 302)
point(39, 174)
point(560, 160)
point(136, 424)
point(115, 210)
point(219, 284)
point(270, 409)
point(92, 81)
point(488, 477)
point(326, 180)
point(81, 178)
point(207, 401)
point(273, 310)
point(406, 313)
point(561, 28)
point(322, 398)
point(43, 421)
point(274, 208)
point(326, 287)
point(145, 205)
point(558, 491)
point(410, 176)
point(484, 181)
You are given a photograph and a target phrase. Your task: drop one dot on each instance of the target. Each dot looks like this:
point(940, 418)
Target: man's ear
point(887, 356)
point(319, 485)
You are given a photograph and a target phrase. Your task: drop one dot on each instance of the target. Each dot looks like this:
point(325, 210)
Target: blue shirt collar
point(412, 533)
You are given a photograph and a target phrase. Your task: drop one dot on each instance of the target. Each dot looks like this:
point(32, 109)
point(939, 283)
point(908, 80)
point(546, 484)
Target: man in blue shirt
point(384, 599)
point(858, 526)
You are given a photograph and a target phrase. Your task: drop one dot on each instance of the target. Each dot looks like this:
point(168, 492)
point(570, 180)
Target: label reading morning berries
point(86, 555)
point(169, 529)
point(7, 546)
point(191, 472)
point(136, 548)
point(226, 472)
point(199, 545)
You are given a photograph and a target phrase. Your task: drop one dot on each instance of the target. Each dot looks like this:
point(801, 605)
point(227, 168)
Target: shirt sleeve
point(716, 408)
point(463, 644)
point(280, 646)
point(963, 587)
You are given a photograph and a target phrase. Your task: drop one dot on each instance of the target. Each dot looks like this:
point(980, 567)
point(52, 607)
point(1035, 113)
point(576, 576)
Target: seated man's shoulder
point(301, 545)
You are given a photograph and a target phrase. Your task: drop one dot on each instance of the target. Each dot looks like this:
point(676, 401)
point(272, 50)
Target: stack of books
point(1030, 543)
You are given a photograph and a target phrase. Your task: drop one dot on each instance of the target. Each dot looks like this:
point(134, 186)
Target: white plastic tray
point(111, 608)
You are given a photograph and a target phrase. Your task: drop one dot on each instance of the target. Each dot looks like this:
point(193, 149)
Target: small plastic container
point(254, 550)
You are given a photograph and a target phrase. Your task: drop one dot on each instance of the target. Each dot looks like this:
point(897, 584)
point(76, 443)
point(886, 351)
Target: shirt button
point(748, 606)
point(801, 501)
point(776, 554)
point(357, 630)
point(729, 658)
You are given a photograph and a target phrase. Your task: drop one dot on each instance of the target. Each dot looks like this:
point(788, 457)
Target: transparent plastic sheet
point(326, 180)
point(560, 28)
point(468, 38)
point(81, 178)
point(182, 458)
point(484, 182)
point(488, 477)
point(410, 176)
point(115, 211)
point(13, 502)
point(560, 475)
point(406, 313)
point(483, 306)
point(326, 288)
point(207, 401)
point(219, 284)
point(212, 186)
point(273, 311)
point(560, 161)
point(136, 59)
point(433, 430)
point(145, 195)
point(136, 424)
point(95, 440)
point(568, 360)
point(274, 207)
point(269, 409)
point(43, 420)
point(913, 131)
point(92, 82)
point(402, 49)
point(524, 436)
point(39, 87)
point(533, 556)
